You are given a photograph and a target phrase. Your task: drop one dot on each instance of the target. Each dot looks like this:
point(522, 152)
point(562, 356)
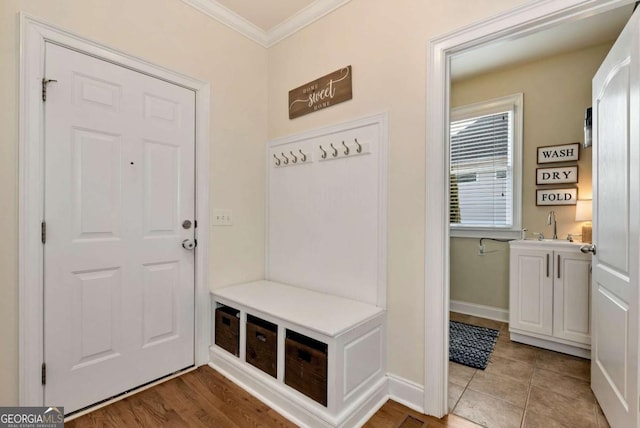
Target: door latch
point(591, 248)
point(189, 244)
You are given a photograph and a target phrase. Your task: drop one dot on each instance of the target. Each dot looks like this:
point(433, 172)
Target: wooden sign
point(564, 153)
point(558, 175)
point(329, 90)
point(557, 196)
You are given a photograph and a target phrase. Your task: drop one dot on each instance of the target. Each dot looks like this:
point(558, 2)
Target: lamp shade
point(583, 210)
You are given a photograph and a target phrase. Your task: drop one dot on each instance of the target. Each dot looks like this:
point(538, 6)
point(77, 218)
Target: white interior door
point(119, 180)
point(616, 196)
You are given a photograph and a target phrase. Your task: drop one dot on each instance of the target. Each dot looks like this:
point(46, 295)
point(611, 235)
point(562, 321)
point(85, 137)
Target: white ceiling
point(576, 35)
point(266, 14)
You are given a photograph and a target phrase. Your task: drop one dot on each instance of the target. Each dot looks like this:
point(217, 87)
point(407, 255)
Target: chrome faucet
point(552, 217)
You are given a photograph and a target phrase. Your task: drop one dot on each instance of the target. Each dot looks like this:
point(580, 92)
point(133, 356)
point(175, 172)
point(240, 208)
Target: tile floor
point(523, 386)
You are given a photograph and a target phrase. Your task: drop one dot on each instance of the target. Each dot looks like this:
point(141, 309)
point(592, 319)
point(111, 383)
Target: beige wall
point(172, 34)
point(386, 43)
point(556, 92)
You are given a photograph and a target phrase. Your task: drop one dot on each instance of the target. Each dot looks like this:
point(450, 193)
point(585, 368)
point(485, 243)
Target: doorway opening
point(505, 29)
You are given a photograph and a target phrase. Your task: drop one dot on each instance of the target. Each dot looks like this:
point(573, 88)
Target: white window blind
point(482, 170)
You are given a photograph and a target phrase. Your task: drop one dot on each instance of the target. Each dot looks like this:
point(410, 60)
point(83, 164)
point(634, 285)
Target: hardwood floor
point(200, 398)
point(205, 398)
point(392, 415)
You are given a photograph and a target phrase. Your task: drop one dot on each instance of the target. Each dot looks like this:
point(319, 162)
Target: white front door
point(119, 182)
point(616, 233)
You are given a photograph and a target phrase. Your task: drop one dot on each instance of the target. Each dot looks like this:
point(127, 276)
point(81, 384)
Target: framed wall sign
point(557, 175)
point(567, 196)
point(563, 153)
point(326, 91)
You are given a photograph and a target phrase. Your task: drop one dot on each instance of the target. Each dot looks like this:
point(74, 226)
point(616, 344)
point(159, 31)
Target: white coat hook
point(295, 158)
point(324, 152)
point(346, 149)
point(304, 157)
point(286, 159)
point(359, 149)
point(278, 162)
point(335, 151)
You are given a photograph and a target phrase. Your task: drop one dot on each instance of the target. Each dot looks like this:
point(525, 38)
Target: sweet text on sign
point(329, 90)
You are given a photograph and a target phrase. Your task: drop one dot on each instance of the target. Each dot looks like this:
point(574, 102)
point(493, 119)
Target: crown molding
point(302, 18)
point(286, 28)
point(231, 19)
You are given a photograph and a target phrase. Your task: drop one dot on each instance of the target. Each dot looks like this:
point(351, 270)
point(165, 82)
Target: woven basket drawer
point(306, 366)
point(262, 345)
point(227, 330)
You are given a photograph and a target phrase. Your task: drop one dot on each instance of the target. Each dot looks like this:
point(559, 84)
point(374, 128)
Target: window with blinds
point(484, 166)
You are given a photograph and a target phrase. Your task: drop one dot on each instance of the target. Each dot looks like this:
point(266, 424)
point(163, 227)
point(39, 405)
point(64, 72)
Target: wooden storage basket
point(305, 366)
point(262, 345)
point(227, 329)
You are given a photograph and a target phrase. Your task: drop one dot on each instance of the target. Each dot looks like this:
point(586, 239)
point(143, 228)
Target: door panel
point(613, 108)
point(161, 283)
point(96, 184)
point(96, 311)
point(616, 198)
point(161, 188)
point(91, 93)
point(612, 325)
point(119, 171)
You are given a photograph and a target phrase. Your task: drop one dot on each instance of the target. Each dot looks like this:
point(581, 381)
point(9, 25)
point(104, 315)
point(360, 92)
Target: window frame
point(513, 103)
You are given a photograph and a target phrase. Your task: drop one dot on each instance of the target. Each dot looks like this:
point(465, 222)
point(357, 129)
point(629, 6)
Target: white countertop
point(547, 243)
point(324, 313)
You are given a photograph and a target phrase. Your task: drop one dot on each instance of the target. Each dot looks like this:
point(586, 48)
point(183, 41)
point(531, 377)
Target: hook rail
point(292, 158)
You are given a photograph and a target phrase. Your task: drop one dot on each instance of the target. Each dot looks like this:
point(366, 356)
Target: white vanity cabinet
point(549, 289)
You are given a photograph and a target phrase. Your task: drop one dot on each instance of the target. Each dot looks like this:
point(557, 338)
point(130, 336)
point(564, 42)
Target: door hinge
point(43, 232)
point(45, 82)
point(44, 374)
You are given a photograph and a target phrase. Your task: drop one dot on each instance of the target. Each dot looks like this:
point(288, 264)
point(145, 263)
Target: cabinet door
point(531, 290)
point(572, 304)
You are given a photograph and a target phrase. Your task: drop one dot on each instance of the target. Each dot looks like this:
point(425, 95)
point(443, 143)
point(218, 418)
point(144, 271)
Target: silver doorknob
point(189, 244)
point(591, 248)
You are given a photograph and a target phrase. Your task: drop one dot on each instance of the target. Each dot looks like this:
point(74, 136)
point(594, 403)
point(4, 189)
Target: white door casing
point(119, 181)
point(34, 35)
point(616, 199)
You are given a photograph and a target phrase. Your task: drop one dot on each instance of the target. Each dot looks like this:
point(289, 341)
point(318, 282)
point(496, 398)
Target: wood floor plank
point(205, 398)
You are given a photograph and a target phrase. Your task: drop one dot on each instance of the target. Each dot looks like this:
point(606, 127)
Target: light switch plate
point(222, 217)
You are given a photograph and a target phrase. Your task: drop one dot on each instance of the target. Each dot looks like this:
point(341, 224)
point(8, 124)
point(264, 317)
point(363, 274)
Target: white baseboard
point(288, 402)
point(406, 392)
point(482, 311)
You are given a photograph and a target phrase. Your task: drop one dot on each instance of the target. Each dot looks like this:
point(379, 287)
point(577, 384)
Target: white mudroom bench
point(309, 340)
